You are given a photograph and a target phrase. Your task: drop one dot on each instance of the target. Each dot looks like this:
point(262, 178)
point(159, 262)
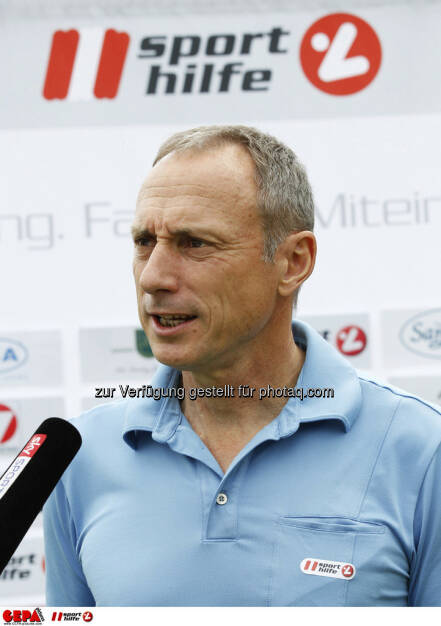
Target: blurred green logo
point(142, 345)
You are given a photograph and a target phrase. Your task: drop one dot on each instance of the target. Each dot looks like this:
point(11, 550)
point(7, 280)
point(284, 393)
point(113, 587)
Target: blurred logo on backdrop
point(351, 340)
point(8, 423)
point(120, 353)
point(13, 354)
point(32, 358)
point(24, 576)
point(85, 63)
point(422, 334)
point(412, 338)
point(340, 54)
point(142, 345)
point(348, 332)
point(19, 419)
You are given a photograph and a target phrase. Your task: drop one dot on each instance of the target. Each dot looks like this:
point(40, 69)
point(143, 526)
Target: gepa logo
point(23, 617)
point(422, 334)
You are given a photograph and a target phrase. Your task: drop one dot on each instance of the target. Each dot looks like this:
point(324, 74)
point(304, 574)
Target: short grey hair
point(284, 195)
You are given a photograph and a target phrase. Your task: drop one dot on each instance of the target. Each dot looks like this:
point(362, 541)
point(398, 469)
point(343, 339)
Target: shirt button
point(221, 498)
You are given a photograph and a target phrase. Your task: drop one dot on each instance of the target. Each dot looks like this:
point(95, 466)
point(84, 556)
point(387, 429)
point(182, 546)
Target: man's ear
point(296, 258)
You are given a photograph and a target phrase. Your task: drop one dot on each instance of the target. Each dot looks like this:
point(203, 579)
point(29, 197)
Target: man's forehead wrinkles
point(204, 191)
point(175, 218)
point(168, 184)
point(193, 208)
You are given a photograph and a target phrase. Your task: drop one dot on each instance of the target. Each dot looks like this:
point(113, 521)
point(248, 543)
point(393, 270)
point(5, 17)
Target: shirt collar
point(324, 368)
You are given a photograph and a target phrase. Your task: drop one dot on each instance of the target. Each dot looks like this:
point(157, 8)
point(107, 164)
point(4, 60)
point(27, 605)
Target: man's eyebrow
point(138, 232)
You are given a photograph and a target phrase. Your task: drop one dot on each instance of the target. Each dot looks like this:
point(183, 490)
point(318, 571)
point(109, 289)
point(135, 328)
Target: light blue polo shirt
point(337, 501)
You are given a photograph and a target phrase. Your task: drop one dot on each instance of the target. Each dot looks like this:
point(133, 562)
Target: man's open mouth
point(173, 320)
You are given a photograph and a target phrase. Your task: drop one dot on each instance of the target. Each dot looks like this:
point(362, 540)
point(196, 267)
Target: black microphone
point(29, 480)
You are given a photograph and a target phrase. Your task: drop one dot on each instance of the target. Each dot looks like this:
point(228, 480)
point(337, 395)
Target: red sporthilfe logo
point(347, 571)
point(85, 63)
point(329, 569)
point(351, 340)
point(340, 54)
point(87, 616)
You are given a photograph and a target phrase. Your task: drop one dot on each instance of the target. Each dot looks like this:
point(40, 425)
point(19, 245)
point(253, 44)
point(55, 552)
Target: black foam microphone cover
point(29, 480)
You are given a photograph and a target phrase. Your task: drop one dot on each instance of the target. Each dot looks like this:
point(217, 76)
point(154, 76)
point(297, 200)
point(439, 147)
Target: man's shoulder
point(105, 416)
point(103, 446)
point(408, 400)
point(407, 413)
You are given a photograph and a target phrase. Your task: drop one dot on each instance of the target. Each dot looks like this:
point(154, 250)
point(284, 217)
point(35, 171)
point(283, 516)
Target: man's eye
point(192, 242)
point(196, 243)
point(143, 241)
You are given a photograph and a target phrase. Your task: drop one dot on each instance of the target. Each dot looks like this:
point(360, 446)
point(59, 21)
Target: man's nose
point(160, 269)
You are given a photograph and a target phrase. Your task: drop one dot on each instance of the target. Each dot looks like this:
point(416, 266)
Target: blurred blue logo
point(13, 355)
point(422, 334)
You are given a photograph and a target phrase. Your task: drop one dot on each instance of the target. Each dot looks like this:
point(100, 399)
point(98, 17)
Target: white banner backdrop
point(66, 210)
point(68, 194)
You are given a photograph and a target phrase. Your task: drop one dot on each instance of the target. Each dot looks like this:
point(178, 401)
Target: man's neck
point(226, 422)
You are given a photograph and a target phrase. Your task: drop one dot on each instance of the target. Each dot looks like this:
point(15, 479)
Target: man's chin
point(177, 361)
point(179, 355)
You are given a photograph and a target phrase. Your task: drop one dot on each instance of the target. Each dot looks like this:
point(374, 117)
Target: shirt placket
point(220, 493)
point(220, 501)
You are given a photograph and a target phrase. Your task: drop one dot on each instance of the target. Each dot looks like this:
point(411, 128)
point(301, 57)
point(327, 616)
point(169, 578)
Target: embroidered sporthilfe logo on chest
point(333, 569)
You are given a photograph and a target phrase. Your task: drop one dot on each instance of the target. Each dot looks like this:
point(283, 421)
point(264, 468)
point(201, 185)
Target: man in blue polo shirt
point(268, 472)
